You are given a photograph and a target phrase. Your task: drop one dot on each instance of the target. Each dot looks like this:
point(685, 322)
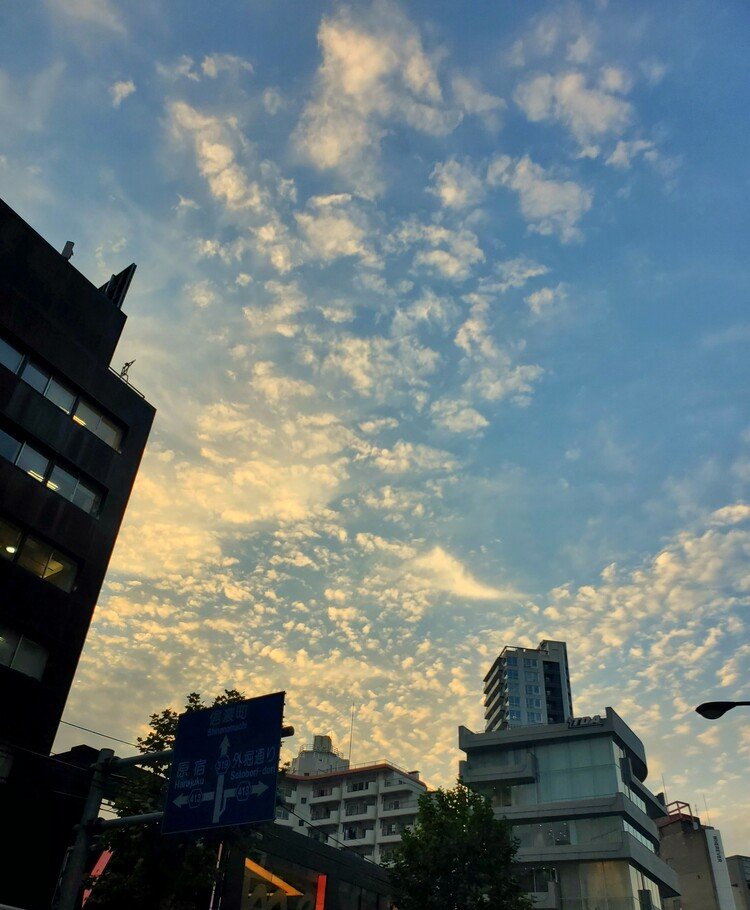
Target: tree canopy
point(148, 870)
point(457, 856)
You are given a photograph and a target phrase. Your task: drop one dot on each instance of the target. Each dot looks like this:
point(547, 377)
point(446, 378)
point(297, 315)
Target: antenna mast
point(351, 732)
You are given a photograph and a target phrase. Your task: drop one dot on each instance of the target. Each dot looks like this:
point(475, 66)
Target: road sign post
point(225, 766)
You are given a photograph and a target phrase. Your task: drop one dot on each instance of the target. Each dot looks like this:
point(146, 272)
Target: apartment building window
point(392, 804)
point(511, 660)
point(512, 674)
point(530, 662)
point(357, 785)
point(533, 690)
point(513, 688)
point(533, 703)
point(531, 677)
point(82, 411)
point(21, 653)
point(37, 557)
point(323, 791)
point(535, 717)
point(303, 800)
point(56, 478)
point(514, 701)
point(282, 813)
point(389, 828)
point(514, 715)
point(356, 808)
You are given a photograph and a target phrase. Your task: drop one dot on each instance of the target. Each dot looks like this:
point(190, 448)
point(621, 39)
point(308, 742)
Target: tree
point(457, 856)
point(147, 870)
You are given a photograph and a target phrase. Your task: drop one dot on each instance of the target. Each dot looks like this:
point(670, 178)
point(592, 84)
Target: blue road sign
point(225, 766)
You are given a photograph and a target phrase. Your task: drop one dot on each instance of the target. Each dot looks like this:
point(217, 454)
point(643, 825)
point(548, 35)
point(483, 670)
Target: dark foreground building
point(72, 433)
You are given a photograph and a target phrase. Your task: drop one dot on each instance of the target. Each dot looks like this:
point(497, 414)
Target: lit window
point(9, 356)
point(74, 490)
point(10, 537)
point(32, 462)
point(87, 416)
point(45, 562)
point(59, 395)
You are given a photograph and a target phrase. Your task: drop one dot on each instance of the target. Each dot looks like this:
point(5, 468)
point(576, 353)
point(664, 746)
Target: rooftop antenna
point(664, 785)
point(126, 369)
point(708, 816)
point(351, 732)
point(68, 249)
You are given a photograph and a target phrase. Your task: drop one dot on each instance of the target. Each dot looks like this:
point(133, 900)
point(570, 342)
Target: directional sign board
point(225, 766)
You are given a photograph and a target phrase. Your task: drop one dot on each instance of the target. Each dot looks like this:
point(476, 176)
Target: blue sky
point(443, 308)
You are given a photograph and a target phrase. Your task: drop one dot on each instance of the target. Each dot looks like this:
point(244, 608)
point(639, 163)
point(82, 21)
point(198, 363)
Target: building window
point(514, 701)
point(533, 703)
point(358, 785)
point(84, 413)
point(303, 800)
point(531, 677)
point(535, 717)
point(512, 674)
point(21, 653)
point(36, 557)
point(511, 660)
point(533, 690)
point(530, 662)
point(514, 715)
point(389, 828)
point(56, 478)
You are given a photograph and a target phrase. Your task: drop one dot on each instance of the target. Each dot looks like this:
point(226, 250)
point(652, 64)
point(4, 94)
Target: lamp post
point(715, 709)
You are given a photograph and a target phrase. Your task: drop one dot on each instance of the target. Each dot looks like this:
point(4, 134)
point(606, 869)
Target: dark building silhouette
point(72, 433)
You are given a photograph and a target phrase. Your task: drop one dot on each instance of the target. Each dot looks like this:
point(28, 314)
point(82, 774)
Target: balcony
point(359, 838)
point(392, 808)
point(358, 813)
point(390, 838)
point(333, 797)
point(325, 818)
point(476, 772)
point(359, 793)
point(393, 784)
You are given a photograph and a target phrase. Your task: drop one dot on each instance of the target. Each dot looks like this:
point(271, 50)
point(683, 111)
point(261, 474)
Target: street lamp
point(715, 709)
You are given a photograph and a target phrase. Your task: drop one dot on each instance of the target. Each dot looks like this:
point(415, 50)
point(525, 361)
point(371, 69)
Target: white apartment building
point(362, 807)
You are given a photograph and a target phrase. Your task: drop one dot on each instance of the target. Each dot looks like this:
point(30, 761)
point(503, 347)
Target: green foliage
point(148, 870)
point(457, 856)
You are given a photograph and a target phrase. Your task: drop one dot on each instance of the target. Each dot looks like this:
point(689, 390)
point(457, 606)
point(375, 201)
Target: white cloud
point(457, 185)
point(100, 13)
point(458, 417)
point(273, 100)
point(449, 253)
point(374, 70)
point(589, 113)
point(277, 389)
point(213, 64)
point(439, 571)
point(542, 300)
point(280, 316)
point(474, 100)
point(120, 91)
point(381, 367)
point(514, 273)
point(549, 205)
point(334, 227)
point(624, 152)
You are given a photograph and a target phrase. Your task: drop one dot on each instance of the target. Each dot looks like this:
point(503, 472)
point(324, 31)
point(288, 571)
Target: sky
point(443, 310)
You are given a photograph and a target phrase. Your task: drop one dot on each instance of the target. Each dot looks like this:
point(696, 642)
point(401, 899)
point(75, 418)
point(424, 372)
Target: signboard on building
point(722, 883)
point(225, 766)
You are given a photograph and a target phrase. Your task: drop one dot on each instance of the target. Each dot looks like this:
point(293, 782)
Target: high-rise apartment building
point(528, 686)
point(575, 797)
point(362, 808)
point(739, 876)
point(72, 433)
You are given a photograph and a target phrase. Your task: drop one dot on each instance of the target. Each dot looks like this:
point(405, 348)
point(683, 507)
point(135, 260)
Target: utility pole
point(68, 896)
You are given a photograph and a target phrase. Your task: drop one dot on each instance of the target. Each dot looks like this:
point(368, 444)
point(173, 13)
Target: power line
point(328, 836)
point(97, 733)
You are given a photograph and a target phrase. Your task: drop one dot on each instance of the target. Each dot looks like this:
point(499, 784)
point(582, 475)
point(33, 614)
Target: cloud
point(549, 206)
point(439, 571)
point(375, 71)
point(99, 13)
point(215, 142)
point(458, 417)
point(120, 91)
point(450, 253)
point(273, 100)
point(514, 273)
point(624, 152)
point(457, 185)
point(472, 99)
point(541, 301)
point(334, 227)
point(589, 113)
point(213, 64)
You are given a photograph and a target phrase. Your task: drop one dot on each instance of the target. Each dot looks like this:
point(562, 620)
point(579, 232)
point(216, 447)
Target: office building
point(528, 686)
point(575, 796)
point(362, 808)
point(72, 433)
point(696, 853)
point(739, 878)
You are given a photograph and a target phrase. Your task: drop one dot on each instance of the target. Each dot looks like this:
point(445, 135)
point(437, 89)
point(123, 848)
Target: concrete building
point(362, 808)
point(72, 433)
point(739, 877)
point(696, 853)
point(528, 686)
point(574, 793)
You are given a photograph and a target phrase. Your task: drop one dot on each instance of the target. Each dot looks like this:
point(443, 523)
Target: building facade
point(574, 793)
point(528, 686)
point(361, 808)
point(72, 433)
point(739, 877)
point(696, 853)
